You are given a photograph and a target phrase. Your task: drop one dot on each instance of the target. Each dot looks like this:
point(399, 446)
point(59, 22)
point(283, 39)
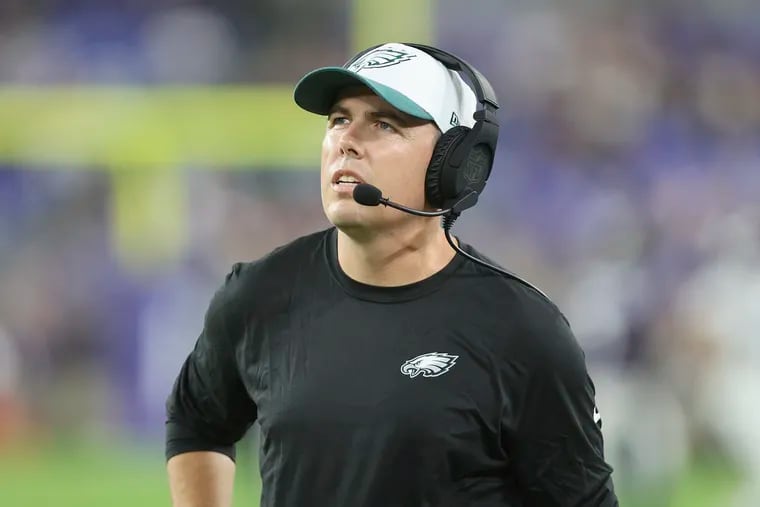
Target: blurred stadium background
point(145, 146)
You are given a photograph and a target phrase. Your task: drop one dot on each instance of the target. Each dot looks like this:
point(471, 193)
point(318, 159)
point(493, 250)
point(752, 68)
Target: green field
point(91, 476)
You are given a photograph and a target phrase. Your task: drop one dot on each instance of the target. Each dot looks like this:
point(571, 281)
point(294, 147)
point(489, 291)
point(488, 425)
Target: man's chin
point(357, 220)
point(354, 222)
point(345, 213)
point(346, 223)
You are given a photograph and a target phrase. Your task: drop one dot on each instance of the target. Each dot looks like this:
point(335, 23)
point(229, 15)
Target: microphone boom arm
point(437, 213)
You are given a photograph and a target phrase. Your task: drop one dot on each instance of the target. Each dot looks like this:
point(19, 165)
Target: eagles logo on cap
point(384, 57)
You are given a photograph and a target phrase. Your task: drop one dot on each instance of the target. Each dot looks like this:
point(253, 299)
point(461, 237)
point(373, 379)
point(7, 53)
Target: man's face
point(369, 140)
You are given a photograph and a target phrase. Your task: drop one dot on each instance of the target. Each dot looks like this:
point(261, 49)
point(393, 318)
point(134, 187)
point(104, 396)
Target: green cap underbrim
point(316, 91)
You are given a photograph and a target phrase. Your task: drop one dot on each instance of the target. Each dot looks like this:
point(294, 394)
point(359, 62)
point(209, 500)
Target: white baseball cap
point(408, 78)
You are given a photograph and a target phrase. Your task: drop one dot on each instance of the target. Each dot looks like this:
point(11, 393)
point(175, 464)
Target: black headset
point(463, 157)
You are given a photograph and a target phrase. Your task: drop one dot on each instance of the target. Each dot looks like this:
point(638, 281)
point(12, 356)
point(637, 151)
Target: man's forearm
point(201, 479)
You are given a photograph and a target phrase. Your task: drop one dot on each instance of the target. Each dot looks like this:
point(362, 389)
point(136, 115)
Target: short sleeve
point(209, 407)
point(551, 427)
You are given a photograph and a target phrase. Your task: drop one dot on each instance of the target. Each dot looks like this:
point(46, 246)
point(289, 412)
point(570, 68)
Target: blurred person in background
point(716, 318)
point(383, 368)
point(13, 418)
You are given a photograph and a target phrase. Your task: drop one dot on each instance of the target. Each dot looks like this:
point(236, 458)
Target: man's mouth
point(345, 183)
point(347, 180)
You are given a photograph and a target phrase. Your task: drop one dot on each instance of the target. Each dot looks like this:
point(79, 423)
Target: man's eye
point(384, 125)
point(337, 120)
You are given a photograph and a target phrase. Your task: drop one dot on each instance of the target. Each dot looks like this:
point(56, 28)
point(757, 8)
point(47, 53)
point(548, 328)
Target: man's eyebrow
point(379, 114)
point(338, 109)
point(390, 115)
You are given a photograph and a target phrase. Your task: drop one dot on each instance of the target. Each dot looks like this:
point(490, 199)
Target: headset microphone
point(369, 195)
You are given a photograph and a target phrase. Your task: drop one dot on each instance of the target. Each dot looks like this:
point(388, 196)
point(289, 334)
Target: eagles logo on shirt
point(380, 58)
point(431, 364)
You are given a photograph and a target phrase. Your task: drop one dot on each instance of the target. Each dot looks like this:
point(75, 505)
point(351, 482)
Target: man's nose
point(350, 143)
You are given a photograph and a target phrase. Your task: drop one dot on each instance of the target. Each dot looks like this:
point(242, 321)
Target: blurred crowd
point(625, 186)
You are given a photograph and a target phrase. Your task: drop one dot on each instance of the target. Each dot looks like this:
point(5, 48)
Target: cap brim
point(317, 91)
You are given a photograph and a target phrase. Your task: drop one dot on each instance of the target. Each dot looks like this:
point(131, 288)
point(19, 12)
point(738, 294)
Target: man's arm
point(208, 410)
point(552, 430)
point(201, 479)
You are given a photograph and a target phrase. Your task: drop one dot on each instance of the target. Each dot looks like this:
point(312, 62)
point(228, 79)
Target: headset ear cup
point(441, 179)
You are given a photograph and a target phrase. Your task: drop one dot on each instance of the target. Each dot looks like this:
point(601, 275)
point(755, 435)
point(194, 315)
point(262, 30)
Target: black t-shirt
point(466, 389)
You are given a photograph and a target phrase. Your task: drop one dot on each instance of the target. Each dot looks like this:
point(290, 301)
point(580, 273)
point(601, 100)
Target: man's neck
point(396, 257)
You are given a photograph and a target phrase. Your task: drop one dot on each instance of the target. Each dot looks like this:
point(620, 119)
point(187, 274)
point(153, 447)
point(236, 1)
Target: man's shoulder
point(266, 280)
point(534, 320)
point(282, 260)
point(511, 288)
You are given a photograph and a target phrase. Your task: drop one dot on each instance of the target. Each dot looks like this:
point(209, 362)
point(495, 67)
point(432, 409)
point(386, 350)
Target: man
point(384, 369)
